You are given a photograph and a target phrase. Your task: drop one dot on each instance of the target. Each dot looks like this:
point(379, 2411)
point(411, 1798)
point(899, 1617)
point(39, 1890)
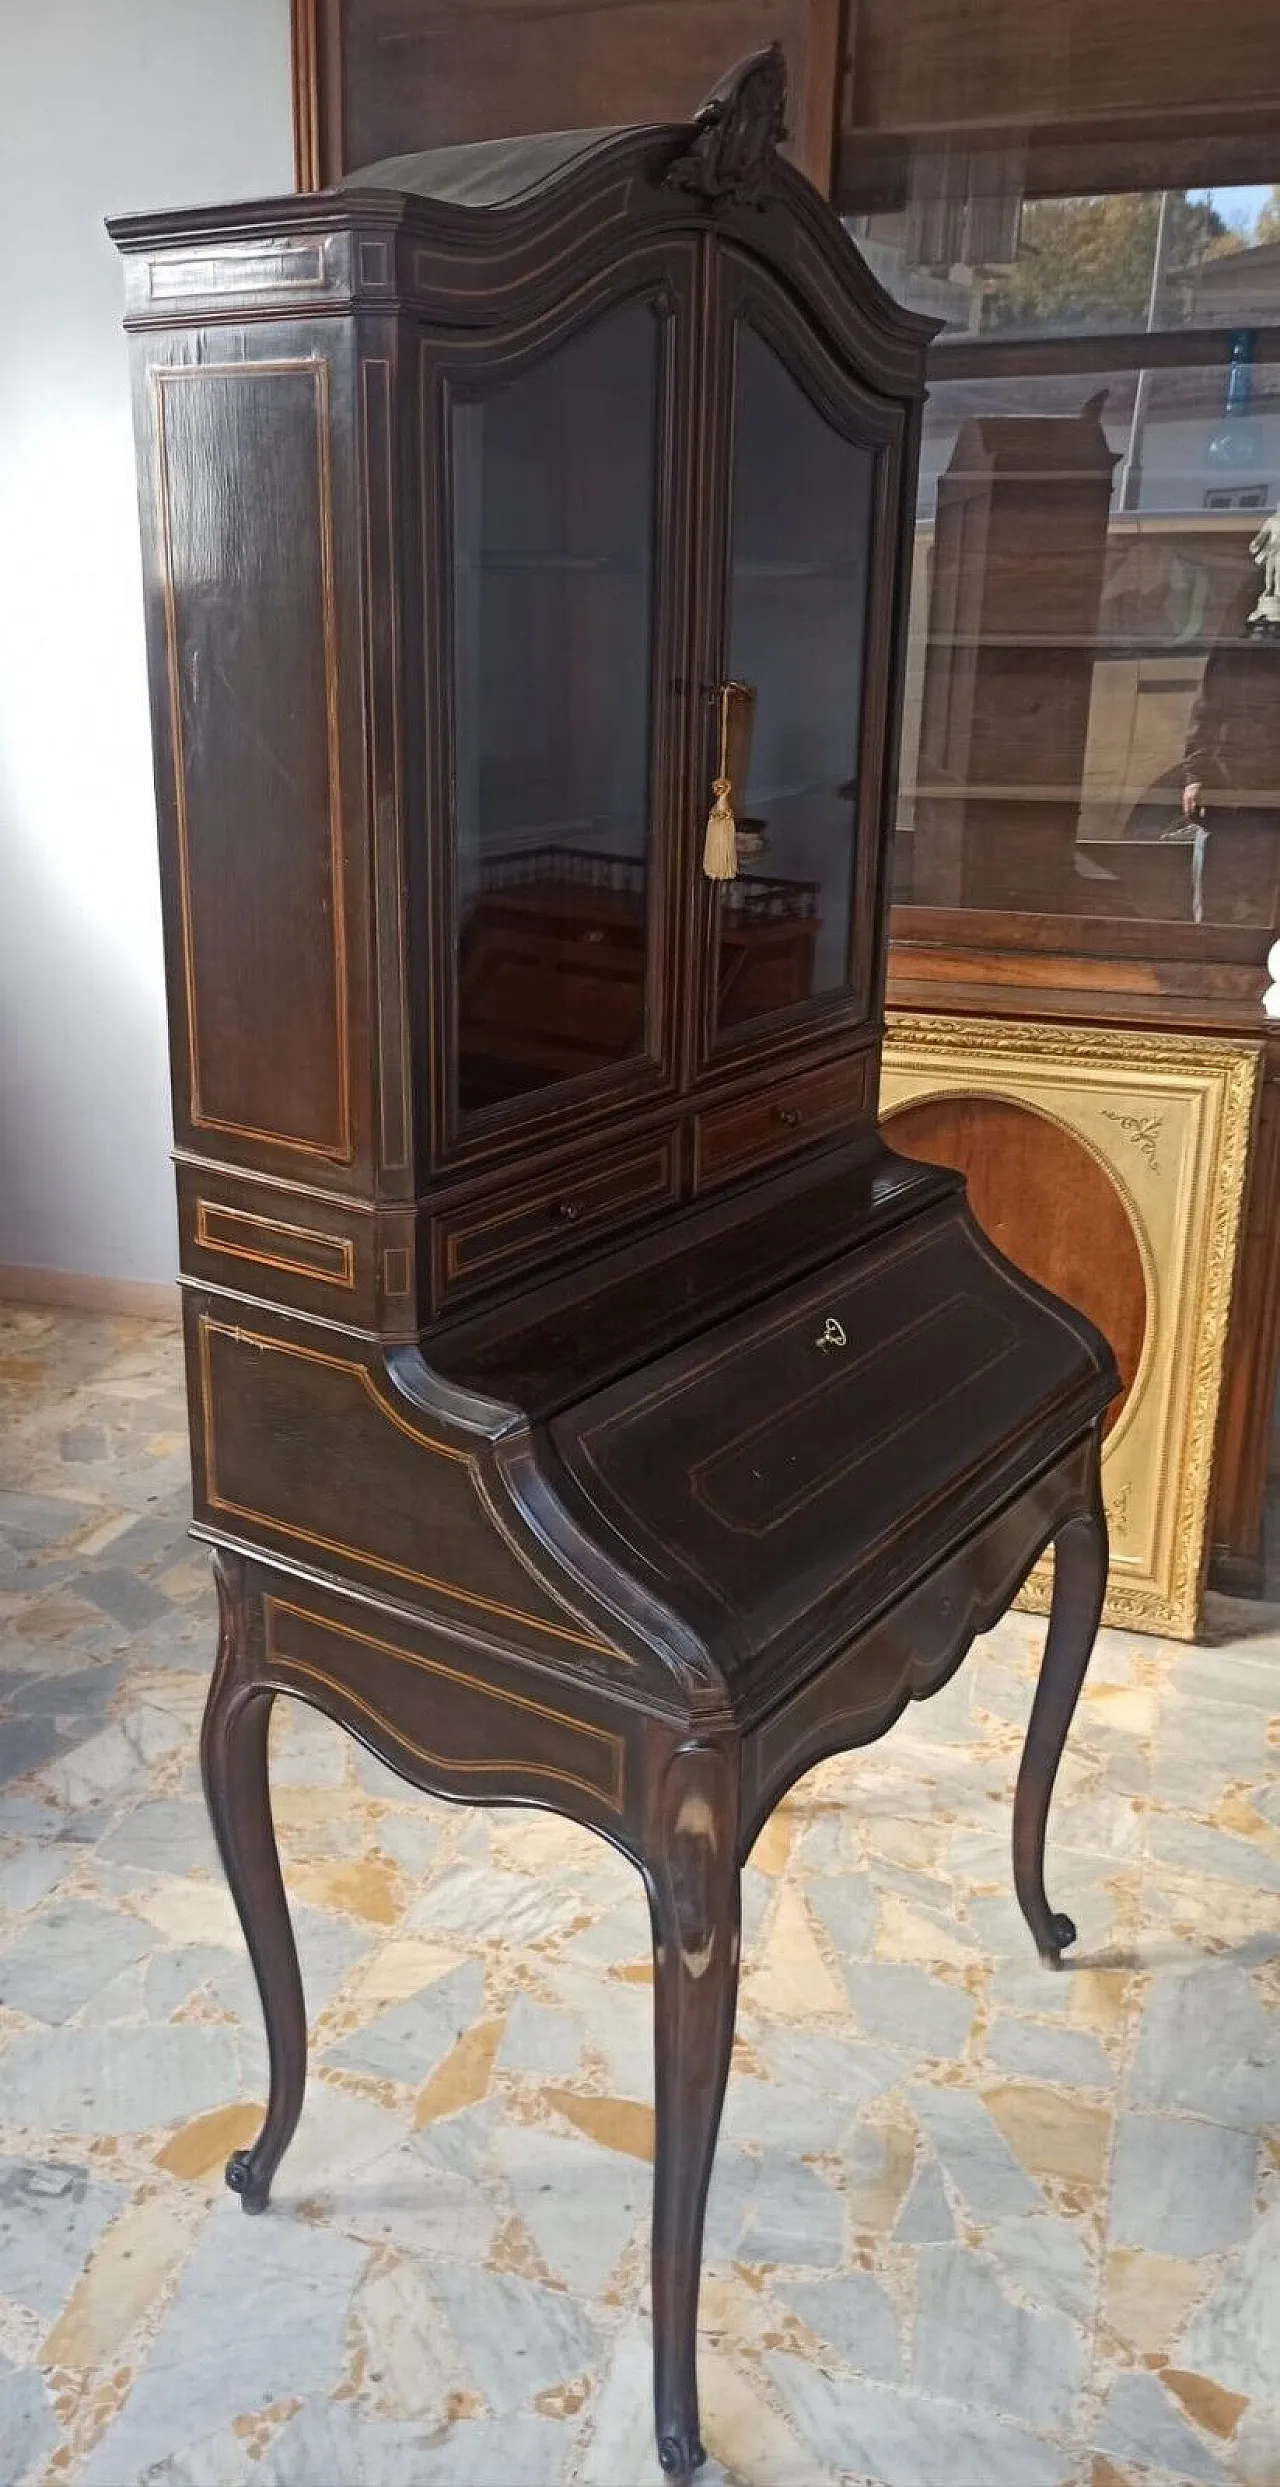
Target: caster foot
point(679, 2456)
point(253, 2193)
point(1062, 1935)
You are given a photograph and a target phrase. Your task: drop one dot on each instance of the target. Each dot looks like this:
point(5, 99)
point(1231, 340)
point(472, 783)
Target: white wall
point(105, 106)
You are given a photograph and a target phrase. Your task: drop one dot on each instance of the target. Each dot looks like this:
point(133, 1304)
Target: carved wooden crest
point(737, 133)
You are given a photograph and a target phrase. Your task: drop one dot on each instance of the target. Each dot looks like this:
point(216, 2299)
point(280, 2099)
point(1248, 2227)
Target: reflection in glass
point(802, 496)
point(1092, 722)
point(553, 477)
point(975, 253)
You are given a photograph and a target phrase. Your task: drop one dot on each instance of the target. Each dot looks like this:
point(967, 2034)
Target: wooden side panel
point(246, 548)
point(436, 1718)
point(302, 1447)
point(922, 64)
point(443, 71)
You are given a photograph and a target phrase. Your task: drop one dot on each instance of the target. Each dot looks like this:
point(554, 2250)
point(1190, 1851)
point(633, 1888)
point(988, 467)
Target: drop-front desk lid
point(806, 1460)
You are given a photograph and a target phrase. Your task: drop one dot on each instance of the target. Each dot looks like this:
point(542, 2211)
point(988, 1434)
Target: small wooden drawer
point(533, 1227)
point(731, 1139)
point(289, 1248)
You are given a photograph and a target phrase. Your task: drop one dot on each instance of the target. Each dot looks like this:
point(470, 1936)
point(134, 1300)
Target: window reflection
point(800, 519)
point(553, 536)
point(1092, 721)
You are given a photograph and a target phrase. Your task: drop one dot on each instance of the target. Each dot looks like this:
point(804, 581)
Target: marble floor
point(972, 2225)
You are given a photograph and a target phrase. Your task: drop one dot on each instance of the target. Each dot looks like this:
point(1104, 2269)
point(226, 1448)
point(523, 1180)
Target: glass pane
point(802, 498)
point(552, 558)
point(969, 249)
point(1092, 718)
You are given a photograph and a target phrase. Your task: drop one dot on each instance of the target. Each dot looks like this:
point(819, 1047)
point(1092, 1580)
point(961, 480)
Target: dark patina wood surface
point(627, 1445)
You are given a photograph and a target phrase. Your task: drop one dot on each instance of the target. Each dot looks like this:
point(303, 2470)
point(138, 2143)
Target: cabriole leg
point(1079, 1585)
point(233, 1757)
point(692, 1878)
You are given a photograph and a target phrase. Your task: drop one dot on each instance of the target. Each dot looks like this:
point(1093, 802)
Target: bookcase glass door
point(554, 516)
point(800, 540)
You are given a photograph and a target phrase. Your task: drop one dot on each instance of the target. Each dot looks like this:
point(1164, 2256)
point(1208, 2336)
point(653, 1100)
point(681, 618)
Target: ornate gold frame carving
point(1169, 1119)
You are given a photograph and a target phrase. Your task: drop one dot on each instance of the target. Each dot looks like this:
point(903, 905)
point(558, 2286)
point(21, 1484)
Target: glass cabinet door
point(803, 495)
point(554, 524)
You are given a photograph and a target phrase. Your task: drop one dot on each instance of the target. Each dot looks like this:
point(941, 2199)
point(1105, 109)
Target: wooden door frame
point(315, 33)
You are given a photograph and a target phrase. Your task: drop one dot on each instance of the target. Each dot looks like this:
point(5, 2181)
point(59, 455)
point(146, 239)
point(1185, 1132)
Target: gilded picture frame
point(1168, 1118)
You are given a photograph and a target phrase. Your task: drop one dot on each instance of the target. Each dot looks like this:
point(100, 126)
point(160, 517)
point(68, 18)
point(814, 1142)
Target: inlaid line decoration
point(613, 1748)
point(340, 1149)
point(339, 1270)
point(242, 1337)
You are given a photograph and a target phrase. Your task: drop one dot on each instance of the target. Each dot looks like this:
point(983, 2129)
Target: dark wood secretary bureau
point(587, 1409)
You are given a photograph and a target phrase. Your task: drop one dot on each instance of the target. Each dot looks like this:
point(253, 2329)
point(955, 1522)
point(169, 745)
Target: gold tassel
point(720, 852)
point(720, 846)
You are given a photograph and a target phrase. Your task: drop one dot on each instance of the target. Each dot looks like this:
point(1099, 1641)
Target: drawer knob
point(568, 1212)
point(788, 1114)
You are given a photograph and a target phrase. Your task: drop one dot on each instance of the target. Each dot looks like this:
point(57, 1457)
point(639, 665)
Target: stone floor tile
point(406, 2043)
point(925, 2217)
point(124, 1595)
point(1189, 1847)
point(1208, 2045)
point(78, 1698)
point(897, 2439)
point(429, 2196)
point(64, 1956)
point(973, 2345)
point(853, 2315)
point(412, 1839)
point(517, 2339)
point(52, 2214)
point(28, 1877)
point(223, 2459)
point(258, 2318)
point(1240, 1675)
point(1256, 2449)
point(620, 2450)
point(537, 2040)
point(28, 2428)
point(1045, 2262)
point(581, 2205)
point(339, 2140)
point(337, 2445)
point(30, 1521)
point(974, 2153)
point(772, 2210)
point(1071, 2056)
point(616, 2019)
point(848, 2069)
point(742, 2427)
point(167, 1836)
point(780, 2116)
point(1233, 2337)
point(845, 1904)
point(120, 2080)
point(1141, 2423)
point(1147, 2298)
point(490, 1905)
point(26, 1744)
point(1181, 2187)
point(909, 2008)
